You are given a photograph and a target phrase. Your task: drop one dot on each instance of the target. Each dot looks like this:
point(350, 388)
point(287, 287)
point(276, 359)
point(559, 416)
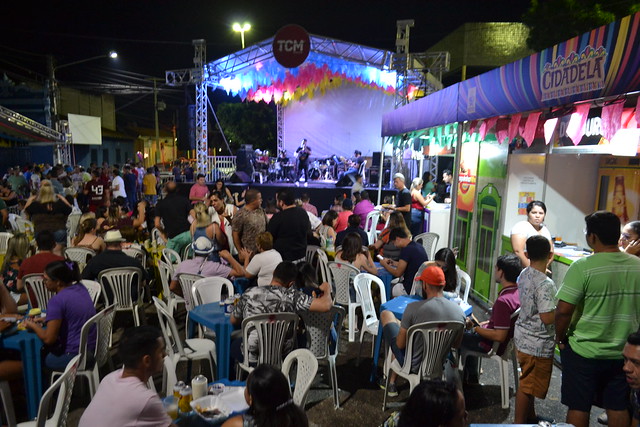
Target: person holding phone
point(500, 326)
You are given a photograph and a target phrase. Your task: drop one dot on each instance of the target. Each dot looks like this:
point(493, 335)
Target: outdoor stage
point(321, 193)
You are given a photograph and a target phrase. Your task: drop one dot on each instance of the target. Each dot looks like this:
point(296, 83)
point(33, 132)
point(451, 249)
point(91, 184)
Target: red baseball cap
point(433, 276)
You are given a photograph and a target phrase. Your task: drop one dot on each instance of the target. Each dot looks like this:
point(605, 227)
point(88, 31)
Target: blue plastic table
point(213, 317)
point(386, 278)
point(29, 345)
point(397, 307)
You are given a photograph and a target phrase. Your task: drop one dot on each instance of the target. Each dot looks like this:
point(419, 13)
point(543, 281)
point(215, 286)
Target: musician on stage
point(302, 154)
point(354, 167)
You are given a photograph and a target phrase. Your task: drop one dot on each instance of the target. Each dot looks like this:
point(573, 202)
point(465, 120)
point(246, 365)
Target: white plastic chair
point(138, 254)
point(94, 289)
point(37, 289)
point(171, 257)
point(189, 350)
point(157, 237)
point(102, 322)
point(4, 241)
point(342, 275)
point(371, 224)
point(503, 360)
point(186, 284)
point(429, 241)
point(79, 255)
point(73, 220)
point(272, 329)
point(166, 271)
point(21, 225)
point(65, 384)
point(120, 281)
point(318, 329)
point(306, 370)
point(363, 283)
point(210, 289)
point(438, 338)
point(322, 266)
point(169, 377)
point(465, 280)
point(7, 403)
point(310, 254)
point(187, 252)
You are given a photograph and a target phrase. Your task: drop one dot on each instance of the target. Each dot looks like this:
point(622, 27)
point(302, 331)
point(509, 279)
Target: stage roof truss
point(26, 126)
point(262, 51)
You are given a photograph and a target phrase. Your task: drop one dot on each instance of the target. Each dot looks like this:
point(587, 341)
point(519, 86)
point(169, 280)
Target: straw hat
point(113, 236)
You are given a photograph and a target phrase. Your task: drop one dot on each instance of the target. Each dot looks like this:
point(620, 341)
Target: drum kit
point(280, 169)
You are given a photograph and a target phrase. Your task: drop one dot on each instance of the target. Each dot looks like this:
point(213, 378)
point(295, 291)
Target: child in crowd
point(534, 331)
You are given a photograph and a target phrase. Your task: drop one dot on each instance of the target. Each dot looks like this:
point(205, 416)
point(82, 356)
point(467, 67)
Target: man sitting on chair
point(435, 308)
point(279, 297)
point(123, 399)
point(203, 266)
point(499, 328)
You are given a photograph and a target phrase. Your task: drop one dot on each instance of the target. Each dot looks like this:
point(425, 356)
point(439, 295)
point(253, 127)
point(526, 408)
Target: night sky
point(153, 36)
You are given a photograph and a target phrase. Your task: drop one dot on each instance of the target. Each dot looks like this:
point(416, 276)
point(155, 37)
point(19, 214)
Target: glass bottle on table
point(185, 399)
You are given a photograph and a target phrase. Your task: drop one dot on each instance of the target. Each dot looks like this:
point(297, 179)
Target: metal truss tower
point(202, 146)
point(280, 127)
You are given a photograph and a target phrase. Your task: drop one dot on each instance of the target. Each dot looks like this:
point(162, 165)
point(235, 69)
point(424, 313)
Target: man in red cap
point(435, 308)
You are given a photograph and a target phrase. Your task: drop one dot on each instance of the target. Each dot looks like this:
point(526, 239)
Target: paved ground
point(361, 401)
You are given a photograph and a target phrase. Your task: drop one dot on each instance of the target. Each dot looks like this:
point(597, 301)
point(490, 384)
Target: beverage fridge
point(619, 187)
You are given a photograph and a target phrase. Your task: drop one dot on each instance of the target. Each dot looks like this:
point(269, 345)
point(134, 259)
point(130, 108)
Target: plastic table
point(397, 307)
point(213, 317)
point(386, 278)
point(29, 345)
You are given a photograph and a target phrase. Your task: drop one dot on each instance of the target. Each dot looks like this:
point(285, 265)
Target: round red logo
point(291, 46)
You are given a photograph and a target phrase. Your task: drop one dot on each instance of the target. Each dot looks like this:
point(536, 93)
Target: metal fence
point(220, 167)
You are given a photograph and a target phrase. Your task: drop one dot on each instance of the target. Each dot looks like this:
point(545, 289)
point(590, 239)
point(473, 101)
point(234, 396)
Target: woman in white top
point(536, 212)
point(264, 262)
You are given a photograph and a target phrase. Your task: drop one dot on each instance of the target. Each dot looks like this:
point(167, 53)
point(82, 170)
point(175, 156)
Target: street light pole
point(241, 29)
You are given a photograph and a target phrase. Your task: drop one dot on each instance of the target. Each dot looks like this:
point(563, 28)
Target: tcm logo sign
point(291, 46)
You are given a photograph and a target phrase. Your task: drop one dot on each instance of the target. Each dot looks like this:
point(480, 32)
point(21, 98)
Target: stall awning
point(601, 63)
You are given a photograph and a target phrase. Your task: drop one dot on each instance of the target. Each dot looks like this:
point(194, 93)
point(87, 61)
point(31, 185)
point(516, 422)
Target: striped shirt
point(605, 288)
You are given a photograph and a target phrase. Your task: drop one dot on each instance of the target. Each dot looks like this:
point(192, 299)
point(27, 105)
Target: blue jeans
point(390, 333)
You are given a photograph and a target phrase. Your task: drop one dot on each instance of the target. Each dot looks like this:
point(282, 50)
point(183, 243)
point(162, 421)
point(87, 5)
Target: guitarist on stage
point(302, 154)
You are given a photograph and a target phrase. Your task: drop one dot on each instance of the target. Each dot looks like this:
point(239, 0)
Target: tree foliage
point(553, 21)
point(249, 123)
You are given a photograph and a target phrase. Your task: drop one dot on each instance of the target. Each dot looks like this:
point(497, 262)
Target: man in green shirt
point(16, 181)
point(597, 309)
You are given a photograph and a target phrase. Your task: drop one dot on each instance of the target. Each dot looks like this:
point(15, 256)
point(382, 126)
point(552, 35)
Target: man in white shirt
point(117, 185)
point(123, 398)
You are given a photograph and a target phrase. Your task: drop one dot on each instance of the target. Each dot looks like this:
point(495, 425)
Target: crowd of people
point(589, 316)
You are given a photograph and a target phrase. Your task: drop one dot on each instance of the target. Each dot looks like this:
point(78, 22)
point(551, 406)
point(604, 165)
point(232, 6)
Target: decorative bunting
point(575, 129)
point(502, 130)
point(269, 81)
point(549, 128)
point(611, 119)
point(530, 126)
point(513, 126)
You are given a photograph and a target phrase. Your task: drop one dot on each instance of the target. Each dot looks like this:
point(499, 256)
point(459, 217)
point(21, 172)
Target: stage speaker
point(239, 176)
point(375, 159)
point(244, 161)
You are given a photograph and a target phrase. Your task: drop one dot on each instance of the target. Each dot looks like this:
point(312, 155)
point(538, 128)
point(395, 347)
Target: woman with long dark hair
point(67, 312)
point(270, 402)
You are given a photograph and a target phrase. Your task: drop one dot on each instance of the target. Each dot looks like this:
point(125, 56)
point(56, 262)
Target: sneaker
point(603, 419)
point(392, 390)
point(541, 419)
